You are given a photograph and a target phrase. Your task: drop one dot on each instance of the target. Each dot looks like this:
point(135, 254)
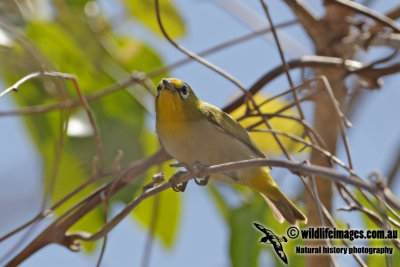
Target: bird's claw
point(175, 184)
point(202, 182)
point(197, 167)
point(194, 170)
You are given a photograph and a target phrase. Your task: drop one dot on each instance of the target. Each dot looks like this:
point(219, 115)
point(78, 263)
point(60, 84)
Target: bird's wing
point(230, 126)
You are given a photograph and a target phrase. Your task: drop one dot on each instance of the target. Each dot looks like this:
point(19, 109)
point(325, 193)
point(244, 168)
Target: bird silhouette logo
point(276, 241)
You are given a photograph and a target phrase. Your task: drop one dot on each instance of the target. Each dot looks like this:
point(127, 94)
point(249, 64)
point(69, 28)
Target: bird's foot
point(176, 185)
point(202, 181)
point(197, 167)
point(194, 170)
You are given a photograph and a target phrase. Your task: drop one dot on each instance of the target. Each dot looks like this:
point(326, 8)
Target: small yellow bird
point(193, 131)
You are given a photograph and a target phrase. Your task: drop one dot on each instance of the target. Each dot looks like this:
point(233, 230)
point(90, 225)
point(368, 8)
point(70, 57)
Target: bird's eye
point(184, 91)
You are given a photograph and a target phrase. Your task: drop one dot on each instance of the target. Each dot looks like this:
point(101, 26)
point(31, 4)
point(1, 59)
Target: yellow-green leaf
point(144, 11)
point(70, 176)
point(161, 212)
point(165, 209)
point(266, 140)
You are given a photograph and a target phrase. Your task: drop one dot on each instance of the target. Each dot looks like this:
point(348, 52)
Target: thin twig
point(304, 62)
point(55, 232)
point(196, 57)
point(285, 116)
point(55, 166)
point(103, 246)
point(151, 231)
point(343, 120)
point(332, 222)
point(219, 47)
point(96, 134)
point(30, 76)
point(284, 63)
point(50, 210)
point(367, 12)
point(183, 176)
point(394, 168)
point(324, 152)
point(82, 100)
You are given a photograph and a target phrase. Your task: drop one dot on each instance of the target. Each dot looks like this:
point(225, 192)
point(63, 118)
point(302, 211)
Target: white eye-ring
point(184, 91)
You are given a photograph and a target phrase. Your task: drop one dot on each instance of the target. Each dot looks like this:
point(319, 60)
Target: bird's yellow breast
point(173, 125)
point(190, 139)
point(169, 107)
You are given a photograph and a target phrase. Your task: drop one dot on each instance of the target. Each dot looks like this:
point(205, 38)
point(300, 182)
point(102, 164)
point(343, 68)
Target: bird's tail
point(282, 207)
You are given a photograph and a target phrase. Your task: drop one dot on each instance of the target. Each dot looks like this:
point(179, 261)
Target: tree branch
point(361, 9)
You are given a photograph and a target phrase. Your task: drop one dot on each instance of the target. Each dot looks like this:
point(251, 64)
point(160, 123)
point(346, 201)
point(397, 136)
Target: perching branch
point(57, 231)
point(297, 167)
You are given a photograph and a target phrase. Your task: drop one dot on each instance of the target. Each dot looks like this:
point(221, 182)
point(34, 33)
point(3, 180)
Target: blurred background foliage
point(74, 37)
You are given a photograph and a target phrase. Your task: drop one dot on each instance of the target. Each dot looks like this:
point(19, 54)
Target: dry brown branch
point(307, 18)
point(304, 62)
point(338, 46)
point(56, 232)
point(378, 17)
point(368, 39)
point(82, 101)
point(326, 153)
point(61, 225)
point(135, 78)
point(284, 63)
point(28, 77)
point(219, 47)
point(199, 59)
point(150, 235)
point(333, 224)
point(183, 176)
point(394, 168)
point(331, 30)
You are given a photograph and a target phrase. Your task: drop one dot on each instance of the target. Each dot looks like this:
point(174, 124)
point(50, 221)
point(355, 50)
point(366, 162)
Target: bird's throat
point(169, 107)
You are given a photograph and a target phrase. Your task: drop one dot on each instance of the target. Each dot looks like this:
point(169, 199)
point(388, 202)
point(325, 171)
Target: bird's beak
point(168, 85)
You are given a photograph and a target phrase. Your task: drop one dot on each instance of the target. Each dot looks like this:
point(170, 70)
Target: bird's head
point(175, 98)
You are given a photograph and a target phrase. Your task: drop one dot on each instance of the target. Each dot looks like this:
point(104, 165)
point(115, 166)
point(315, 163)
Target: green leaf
point(70, 44)
point(375, 259)
point(165, 209)
point(160, 213)
point(79, 3)
point(60, 48)
point(70, 176)
point(266, 140)
point(219, 201)
point(244, 243)
point(144, 11)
